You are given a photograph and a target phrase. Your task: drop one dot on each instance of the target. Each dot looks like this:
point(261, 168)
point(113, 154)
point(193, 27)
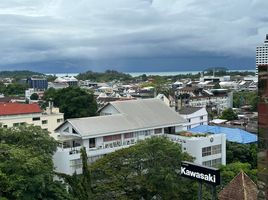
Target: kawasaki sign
point(204, 174)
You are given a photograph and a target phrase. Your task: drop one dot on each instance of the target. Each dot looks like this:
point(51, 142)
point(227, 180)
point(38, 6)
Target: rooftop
point(189, 110)
point(18, 108)
point(241, 187)
point(232, 134)
point(133, 115)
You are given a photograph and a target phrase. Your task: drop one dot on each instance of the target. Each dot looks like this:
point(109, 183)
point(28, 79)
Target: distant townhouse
point(218, 99)
point(120, 125)
point(15, 114)
point(38, 83)
point(195, 116)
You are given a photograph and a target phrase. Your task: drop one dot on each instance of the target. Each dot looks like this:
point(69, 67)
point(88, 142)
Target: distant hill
point(19, 74)
point(108, 75)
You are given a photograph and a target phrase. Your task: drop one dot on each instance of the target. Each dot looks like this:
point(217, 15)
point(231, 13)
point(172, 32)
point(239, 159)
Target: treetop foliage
point(74, 102)
point(108, 75)
point(26, 167)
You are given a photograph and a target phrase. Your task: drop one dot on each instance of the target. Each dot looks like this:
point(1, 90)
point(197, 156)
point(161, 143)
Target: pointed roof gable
point(241, 187)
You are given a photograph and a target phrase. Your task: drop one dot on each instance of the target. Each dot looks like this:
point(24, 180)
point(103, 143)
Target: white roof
point(218, 121)
point(133, 115)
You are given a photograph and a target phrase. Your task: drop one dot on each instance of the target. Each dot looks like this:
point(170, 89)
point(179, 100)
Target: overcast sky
point(130, 35)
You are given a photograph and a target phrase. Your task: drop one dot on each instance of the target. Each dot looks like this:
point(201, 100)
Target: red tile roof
point(18, 108)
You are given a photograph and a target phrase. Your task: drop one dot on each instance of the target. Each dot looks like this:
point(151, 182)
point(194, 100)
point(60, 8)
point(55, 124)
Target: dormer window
point(66, 130)
point(74, 132)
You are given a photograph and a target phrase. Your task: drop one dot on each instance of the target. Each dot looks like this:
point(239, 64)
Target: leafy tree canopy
point(148, 170)
point(72, 101)
point(245, 153)
point(243, 98)
point(229, 114)
point(34, 96)
point(13, 89)
point(26, 167)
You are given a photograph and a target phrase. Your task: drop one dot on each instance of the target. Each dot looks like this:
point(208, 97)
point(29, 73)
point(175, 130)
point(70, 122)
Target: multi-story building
point(38, 83)
point(263, 131)
point(218, 99)
point(15, 114)
point(70, 80)
point(262, 54)
point(195, 116)
point(208, 150)
point(120, 125)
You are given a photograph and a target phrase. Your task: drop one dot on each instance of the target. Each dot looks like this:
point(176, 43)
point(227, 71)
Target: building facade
point(207, 150)
point(120, 125)
point(38, 83)
point(263, 131)
point(194, 116)
point(262, 54)
point(15, 114)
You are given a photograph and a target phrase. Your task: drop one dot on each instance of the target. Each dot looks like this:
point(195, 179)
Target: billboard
point(201, 173)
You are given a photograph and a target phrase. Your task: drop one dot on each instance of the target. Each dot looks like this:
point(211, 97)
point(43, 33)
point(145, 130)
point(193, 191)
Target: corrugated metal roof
point(189, 110)
point(134, 115)
point(232, 134)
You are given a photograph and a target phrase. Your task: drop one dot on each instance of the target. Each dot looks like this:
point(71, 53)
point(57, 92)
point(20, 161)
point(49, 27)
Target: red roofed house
point(15, 114)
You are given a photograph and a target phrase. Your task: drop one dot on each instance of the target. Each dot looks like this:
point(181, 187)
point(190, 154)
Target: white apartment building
point(15, 114)
point(262, 54)
point(207, 150)
point(120, 125)
point(194, 116)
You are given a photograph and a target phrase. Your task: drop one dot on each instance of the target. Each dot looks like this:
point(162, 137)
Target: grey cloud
point(98, 32)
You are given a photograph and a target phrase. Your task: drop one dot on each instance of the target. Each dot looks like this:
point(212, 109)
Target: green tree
point(245, 153)
point(13, 89)
point(229, 171)
point(34, 96)
point(74, 102)
point(26, 167)
point(147, 170)
point(243, 98)
point(229, 114)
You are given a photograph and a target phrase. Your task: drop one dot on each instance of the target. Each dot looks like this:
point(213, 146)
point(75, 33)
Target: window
point(201, 118)
point(92, 142)
point(189, 120)
point(36, 118)
point(207, 163)
point(4, 126)
point(66, 130)
point(216, 149)
point(111, 138)
point(16, 124)
point(59, 120)
point(188, 127)
point(158, 130)
point(216, 162)
point(74, 131)
point(201, 123)
point(128, 135)
point(206, 151)
point(44, 121)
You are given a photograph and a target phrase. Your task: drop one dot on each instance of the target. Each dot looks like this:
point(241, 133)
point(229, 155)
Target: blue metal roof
point(232, 134)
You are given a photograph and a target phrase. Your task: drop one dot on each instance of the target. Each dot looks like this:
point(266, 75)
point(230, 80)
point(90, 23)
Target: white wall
point(195, 119)
point(194, 145)
point(108, 110)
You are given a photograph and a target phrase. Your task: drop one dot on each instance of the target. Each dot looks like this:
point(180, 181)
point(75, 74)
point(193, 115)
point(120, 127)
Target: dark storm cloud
point(129, 35)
